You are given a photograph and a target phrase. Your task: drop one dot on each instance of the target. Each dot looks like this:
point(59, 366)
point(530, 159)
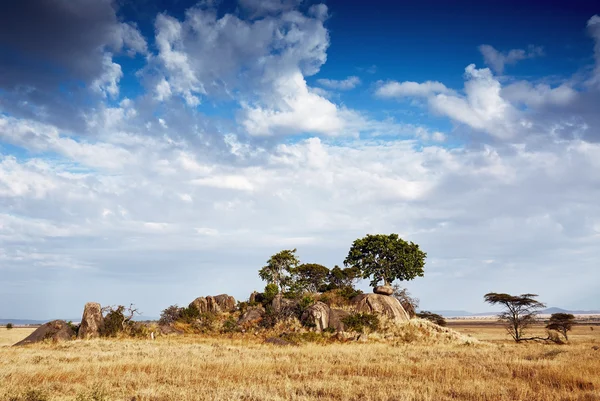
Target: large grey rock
point(251, 317)
point(317, 316)
point(56, 330)
point(383, 290)
point(336, 317)
point(381, 305)
point(92, 321)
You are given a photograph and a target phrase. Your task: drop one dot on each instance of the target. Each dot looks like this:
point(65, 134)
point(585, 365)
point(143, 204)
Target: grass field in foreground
point(243, 368)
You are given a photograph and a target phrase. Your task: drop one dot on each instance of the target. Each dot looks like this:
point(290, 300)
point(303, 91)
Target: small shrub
point(305, 302)
point(170, 315)
point(113, 322)
point(361, 321)
point(229, 325)
point(205, 322)
point(189, 314)
point(271, 291)
point(433, 317)
point(9, 326)
point(74, 327)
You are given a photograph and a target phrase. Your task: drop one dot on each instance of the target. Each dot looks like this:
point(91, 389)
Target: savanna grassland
point(243, 367)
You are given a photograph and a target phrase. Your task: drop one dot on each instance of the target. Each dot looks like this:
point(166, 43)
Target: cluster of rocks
point(215, 304)
point(319, 316)
point(91, 325)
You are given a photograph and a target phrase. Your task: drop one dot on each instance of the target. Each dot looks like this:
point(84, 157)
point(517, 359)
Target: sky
point(155, 151)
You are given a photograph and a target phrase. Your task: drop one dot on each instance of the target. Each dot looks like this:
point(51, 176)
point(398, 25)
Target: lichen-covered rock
point(381, 305)
point(251, 317)
point(336, 317)
point(383, 290)
point(92, 321)
point(56, 330)
point(317, 316)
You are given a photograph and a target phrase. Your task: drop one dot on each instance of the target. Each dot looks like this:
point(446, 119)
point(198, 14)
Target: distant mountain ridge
point(547, 311)
point(25, 322)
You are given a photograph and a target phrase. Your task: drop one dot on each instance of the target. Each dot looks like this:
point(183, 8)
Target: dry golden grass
point(11, 336)
point(243, 368)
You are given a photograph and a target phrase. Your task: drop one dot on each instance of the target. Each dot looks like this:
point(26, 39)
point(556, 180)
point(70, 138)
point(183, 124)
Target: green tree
point(279, 267)
point(342, 278)
point(386, 258)
point(9, 326)
point(520, 312)
point(309, 277)
point(561, 322)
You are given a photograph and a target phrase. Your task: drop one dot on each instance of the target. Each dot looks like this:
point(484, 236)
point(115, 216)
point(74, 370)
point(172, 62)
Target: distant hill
point(547, 311)
point(25, 322)
point(21, 322)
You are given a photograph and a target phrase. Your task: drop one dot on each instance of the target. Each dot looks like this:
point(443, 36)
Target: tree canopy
point(520, 311)
point(278, 268)
point(310, 277)
point(561, 322)
point(386, 258)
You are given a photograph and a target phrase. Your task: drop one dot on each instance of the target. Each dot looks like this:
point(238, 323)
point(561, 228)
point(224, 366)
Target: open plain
point(243, 367)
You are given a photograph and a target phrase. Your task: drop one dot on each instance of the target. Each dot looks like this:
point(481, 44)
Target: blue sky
point(152, 152)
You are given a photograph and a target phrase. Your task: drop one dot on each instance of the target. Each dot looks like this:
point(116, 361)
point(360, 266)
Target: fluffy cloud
point(482, 107)
point(593, 26)
point(262, 64)
point(344, 84)
point(497, 60)
point(395, 89)
point(511, 202)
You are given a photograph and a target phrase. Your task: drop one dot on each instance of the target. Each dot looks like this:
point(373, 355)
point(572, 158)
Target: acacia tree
point(520, 312)
point(279, 267)
point(561, 322)
point(386, 258)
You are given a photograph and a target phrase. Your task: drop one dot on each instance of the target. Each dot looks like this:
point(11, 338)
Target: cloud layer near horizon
point(158, 198)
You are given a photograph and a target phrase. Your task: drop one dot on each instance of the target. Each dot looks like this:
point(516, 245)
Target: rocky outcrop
point(383, 290)
point(92, 321)
point(253, 297)
point(56, 330)
point(251, 317)
point(336, 317)
point(216, 304)
point(284, 306)
point(317, 316)
point(201, 304)
point(382, 305)
point(225, 302)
